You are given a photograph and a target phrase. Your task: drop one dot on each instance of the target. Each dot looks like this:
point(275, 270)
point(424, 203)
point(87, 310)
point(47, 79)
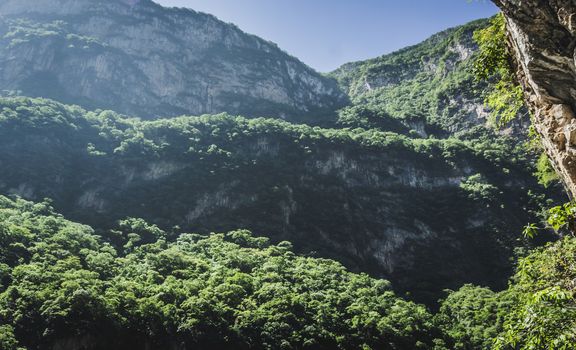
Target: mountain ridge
point(428, 87)
point(367, 188)
point(178, 61)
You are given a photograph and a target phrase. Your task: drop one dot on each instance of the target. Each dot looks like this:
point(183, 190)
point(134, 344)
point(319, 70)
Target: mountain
point(141, 59)
point(428, 88)
point(404, 182)
point(401, 177)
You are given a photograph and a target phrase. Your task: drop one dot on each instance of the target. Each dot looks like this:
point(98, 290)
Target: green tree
point(493, 63)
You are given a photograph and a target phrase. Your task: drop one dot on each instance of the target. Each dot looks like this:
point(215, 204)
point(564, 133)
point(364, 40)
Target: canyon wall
point(542, 37)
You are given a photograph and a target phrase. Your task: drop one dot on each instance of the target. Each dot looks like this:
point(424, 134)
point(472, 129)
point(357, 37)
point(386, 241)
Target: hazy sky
point(327, 33)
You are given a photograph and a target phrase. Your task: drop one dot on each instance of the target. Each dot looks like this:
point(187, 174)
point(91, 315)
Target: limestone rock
point(542, 35)
point(142, 59)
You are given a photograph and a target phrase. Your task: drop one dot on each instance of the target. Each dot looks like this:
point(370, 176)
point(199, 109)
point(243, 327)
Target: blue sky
point(327, 33)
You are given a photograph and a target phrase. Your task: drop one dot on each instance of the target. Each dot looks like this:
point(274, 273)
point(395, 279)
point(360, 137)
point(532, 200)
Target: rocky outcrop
point(542, 37)
point(142, 59)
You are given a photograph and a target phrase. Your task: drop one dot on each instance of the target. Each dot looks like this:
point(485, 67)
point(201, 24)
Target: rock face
point(380, 196)
point(141, 59)
point(542, 35)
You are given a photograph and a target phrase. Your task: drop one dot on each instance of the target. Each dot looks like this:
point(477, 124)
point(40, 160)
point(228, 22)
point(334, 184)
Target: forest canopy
point(63, 282)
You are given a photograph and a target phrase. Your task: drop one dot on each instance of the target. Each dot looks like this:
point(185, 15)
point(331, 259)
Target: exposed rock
point(139, 58)
point(542, 36)
point(159, 170)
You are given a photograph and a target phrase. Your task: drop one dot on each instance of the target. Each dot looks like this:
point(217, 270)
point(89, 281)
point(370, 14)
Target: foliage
point(226, 291)
point(23, 31)
point(473, 317)
point(537, 311)
point(140, 281)
point(7, 339)
point(543, 313)
point(545, 172)
point(429, 87)
point(493, 57)
point(506, 101)
point(288, 181)
point(505, 97)
point(478, 188)
point(562, 217)
point(142, 284)
point(530, 231)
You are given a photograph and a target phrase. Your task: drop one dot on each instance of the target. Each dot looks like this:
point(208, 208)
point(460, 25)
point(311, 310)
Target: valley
point(170, 181)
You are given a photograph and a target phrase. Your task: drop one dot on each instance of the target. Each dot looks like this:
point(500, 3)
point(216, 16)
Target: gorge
point(169, 181)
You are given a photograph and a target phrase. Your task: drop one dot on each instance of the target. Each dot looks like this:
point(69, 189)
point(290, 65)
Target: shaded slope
point(429, 214)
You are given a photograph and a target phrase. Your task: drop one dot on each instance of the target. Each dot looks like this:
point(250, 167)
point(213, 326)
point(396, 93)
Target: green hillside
point(379, 202)
point(133, 287)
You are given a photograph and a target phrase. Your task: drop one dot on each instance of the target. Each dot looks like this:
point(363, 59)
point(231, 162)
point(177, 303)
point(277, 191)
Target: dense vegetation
point(134, 287)
point(505, 95)
point(537, 311)
point(375, 200)
point(430, 88)
point(408, 184)
point(137, 286)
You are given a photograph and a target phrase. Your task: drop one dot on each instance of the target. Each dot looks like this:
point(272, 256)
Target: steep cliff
point(414, 178)
point(429, 214)
point(542, 34)
point(139, 58)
